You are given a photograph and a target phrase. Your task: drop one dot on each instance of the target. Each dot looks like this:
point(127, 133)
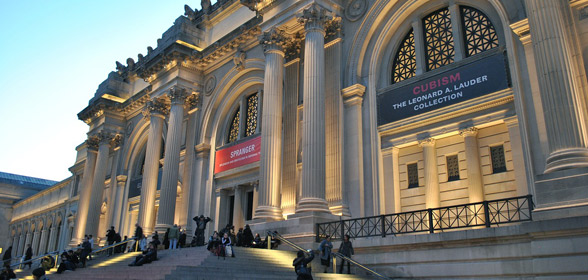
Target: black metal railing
point(482, 214)
point(335, 255)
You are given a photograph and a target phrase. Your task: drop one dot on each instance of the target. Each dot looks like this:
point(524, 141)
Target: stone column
point(353, 146)
point(271, 131)
point(188, 173)
point(117, 205)
point(157, 110)
point(472, 153)
point(114, 186)
point(238, 213)
point(199, 192)
point(52, 239)
point(313, 134)
point(560, 87)
point(35, 245)
point(42, 249)
point(95, 205)
point(516, 147)
point(21, 244)
point(432, 199)
point(27, 242)
point(391, 180)
point(169, 182)
point(15, 241)
point(291, 90)
point(85, 191)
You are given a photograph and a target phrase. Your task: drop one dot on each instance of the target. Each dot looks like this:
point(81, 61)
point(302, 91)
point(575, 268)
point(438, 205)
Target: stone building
point(282, 114)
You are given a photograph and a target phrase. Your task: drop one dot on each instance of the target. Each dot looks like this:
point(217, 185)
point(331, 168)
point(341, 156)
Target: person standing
point(86, 251)
point(138, 235)
point(247, 236)
point(346, 249)
point(200, 227)
point(300, 262)
point(28, 256)
point(7, 256)
point(174, 235)
point(91, 240)
point(111, 238)
point(182, 239)
point(325, 250)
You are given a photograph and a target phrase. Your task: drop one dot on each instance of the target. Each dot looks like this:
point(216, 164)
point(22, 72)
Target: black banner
point(476, 79)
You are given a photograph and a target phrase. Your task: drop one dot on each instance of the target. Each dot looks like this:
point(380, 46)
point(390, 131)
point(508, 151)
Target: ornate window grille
point(251, 115)
point(413, 175)
point(438, 39)
point(452, 168)
point(479, 33)
point(498, 160)
point(234, 129)
point(404, 66)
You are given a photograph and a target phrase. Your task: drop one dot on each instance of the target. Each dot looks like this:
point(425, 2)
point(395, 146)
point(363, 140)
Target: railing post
point(269, 241)
point(318, 226)
point(530, 202)
point(334, 263)
point(431, 224)
point(342, 229)
point(383, 222)
point(486, 213)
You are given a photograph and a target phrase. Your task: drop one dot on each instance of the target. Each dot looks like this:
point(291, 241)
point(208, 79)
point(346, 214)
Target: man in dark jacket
point(346, 249)
point(111, 238)
point(300, 262)
point(247, 236)
point(138, 235)
point(7, 256)
point(28, 256)
point(86, 251)
point(200, 227)
point(147, 256)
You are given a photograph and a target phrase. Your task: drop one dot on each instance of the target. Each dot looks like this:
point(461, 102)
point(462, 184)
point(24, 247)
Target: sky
point(53, 56)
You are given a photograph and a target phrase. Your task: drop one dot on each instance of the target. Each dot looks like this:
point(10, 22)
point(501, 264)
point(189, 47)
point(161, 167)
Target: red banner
point(238, 155)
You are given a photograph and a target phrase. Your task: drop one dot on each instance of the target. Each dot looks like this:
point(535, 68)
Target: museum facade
point(268, 112)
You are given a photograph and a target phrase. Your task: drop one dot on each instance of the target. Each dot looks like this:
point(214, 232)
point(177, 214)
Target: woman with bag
point(227, 245)
point(325, 250)
point(300, 265)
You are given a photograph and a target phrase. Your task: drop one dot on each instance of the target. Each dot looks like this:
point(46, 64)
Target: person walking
point(7, 257)
point(174, 235)
point(28, 256)
point(111, 238)
point(346, 249)
point(325, 251)
point(300, 265)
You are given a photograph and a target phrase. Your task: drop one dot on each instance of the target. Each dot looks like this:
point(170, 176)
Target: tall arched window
point(240, 125)
point(438, 41)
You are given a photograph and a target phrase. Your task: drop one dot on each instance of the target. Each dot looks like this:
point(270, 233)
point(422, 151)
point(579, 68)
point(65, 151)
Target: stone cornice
point(137, 101)
point(427, 142)
point(521, 28)
point(202, 150)
point(98, 108)
point(353, 94)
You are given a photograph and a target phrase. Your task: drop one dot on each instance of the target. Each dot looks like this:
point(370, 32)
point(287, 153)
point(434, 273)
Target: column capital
point(353, 94)
point(202, 150)
point(273, 41)
point(177, 95)
point(105, 136)
point(511, 121)
point(156, 108)
point(314, 18)
point(92, 142)
point(117, 141)
point(193, 103)
point(429, 142)
point(470, 131)
point(292, 46)
point(333, 29)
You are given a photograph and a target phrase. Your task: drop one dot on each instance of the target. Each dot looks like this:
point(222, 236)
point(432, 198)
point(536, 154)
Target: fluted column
point(157, 110)
point(353, 165)
point(52, 239)
point(562, 97)
point(432, 199)
point(27, 242)
point(198, 194)
point(169, 182)
point(117, 211)
point(15, 244)
point(271, 130)
point(475, 184)
point(114, 197)
point(35, 245)
point(313, 124)
point(96, 194)
point(238, 217)
point(85, 191)
point(193, 104)
point(43, 243)
point(21, 244)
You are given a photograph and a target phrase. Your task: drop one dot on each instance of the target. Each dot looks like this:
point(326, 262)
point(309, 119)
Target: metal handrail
point(336, 254)
point(36, 258)
point(111, 246)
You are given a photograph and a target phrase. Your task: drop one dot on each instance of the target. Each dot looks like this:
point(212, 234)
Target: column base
point(161, 228)
point(340, 210)
point(312, 204)
point(566, 159)
point(268, 213)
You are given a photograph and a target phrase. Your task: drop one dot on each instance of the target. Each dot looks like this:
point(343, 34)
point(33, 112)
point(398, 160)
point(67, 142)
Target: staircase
point(195, 264)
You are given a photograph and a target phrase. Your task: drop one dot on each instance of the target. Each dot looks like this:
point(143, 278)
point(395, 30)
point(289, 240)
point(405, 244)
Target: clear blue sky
point(53, 56)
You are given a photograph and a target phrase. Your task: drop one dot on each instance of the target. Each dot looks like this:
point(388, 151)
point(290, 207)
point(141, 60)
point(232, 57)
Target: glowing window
point(404, 66)
point(413, 175)
point(498, 160)
point(234, 129)
point(452, 168)
point(479, 33)
point(438, 39)
point(251, 115)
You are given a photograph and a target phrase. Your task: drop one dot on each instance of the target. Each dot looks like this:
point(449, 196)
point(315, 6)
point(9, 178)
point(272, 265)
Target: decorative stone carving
point(355, 9)
point(251, 4)
point(93, 142)
point(292, 47)
point(209, 85)
point(205, 4)
point(239, 59)
point(426, 142)
point(192, 102)
point(470, 131)
point(314, 17)
point(333, 29)
point(156, 106)
point(177, 95)
point(117, 141)
point(189, 12)
point(274, 39)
